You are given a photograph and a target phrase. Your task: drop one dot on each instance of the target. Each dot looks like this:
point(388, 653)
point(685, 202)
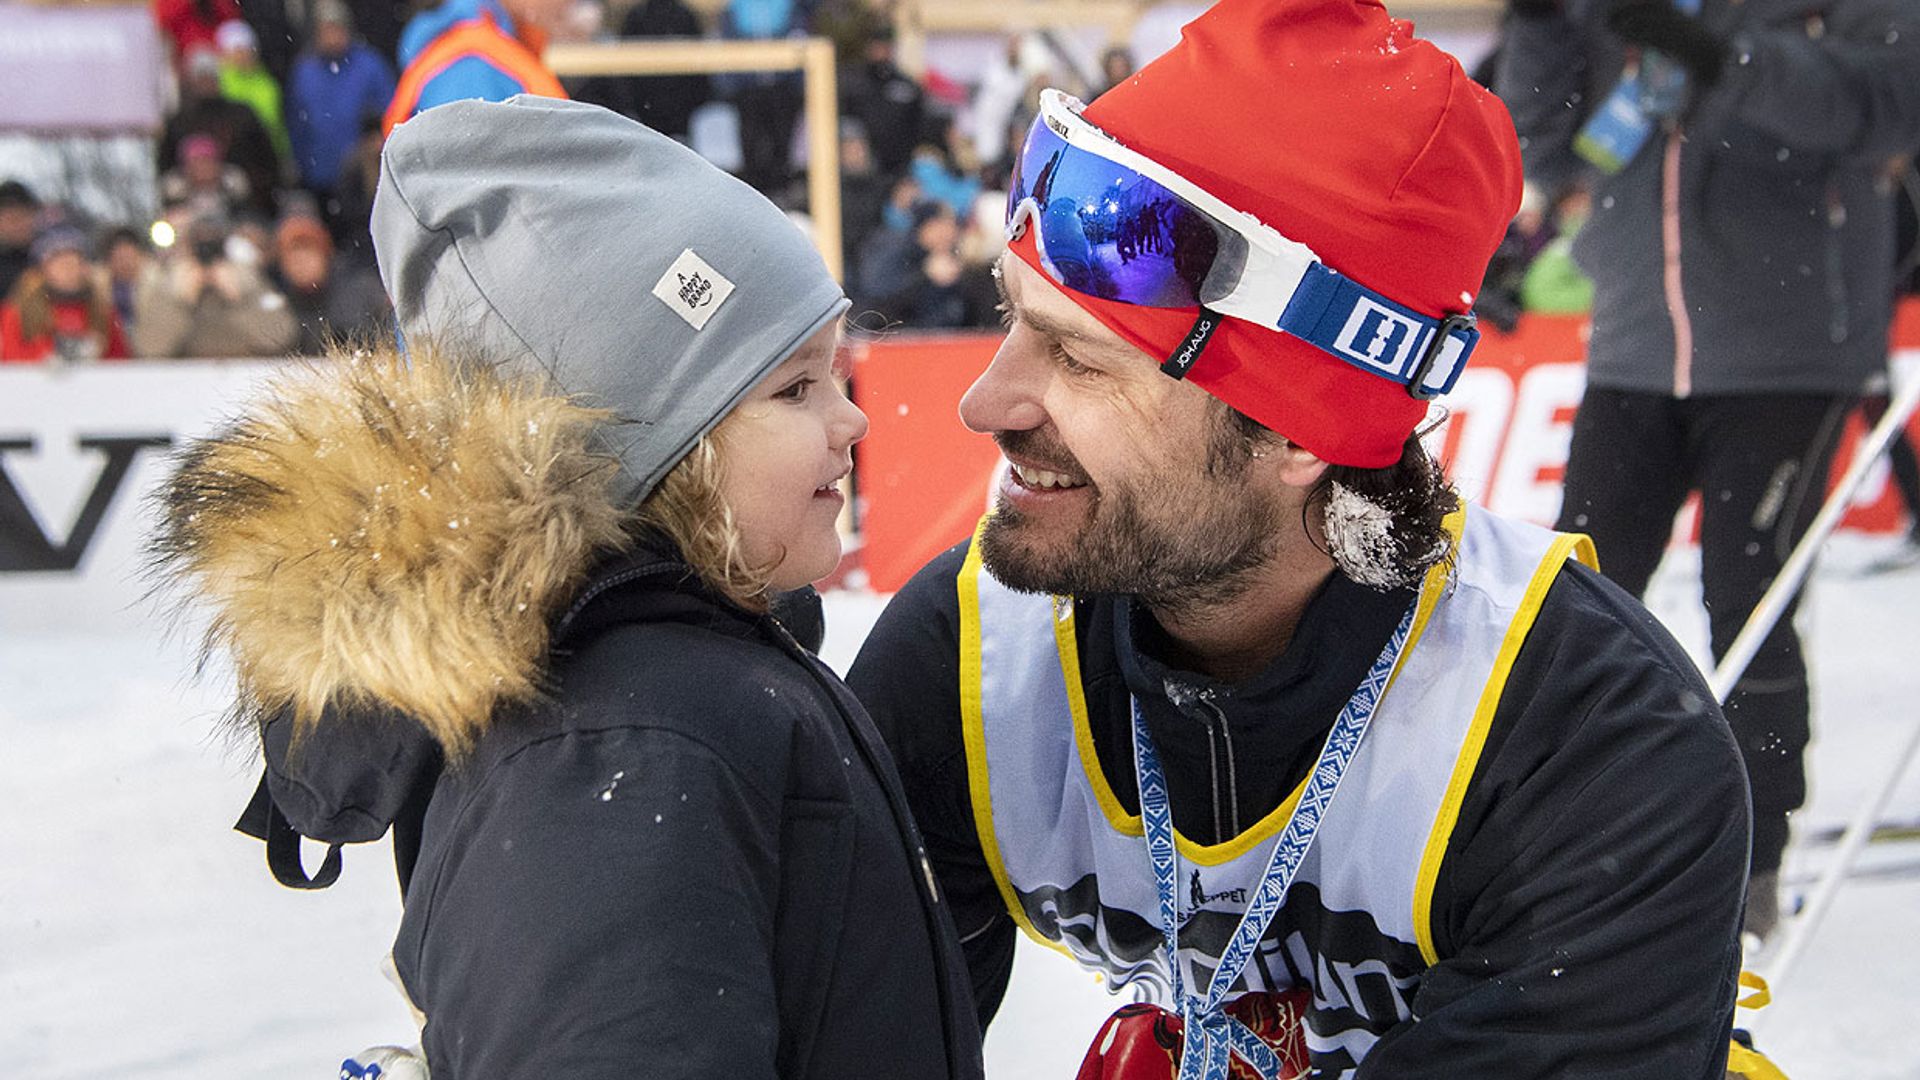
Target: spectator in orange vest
point(59, 310)
point(487, 49)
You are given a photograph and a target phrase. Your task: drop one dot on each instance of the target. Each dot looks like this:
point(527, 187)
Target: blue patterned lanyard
point(1209, 1032)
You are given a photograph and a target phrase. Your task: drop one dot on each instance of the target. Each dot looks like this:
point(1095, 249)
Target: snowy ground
point(141, 938)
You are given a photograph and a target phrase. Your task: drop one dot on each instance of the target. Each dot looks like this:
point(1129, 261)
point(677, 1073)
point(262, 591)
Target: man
point(19, 224)
point(1535, 862)
point(244, 79)
point(1741, 250)
point(335, 89)
point(242, 139)
point(916, 276)
point(198, 302)
point(330, 303)
point(892, 105)
point(486, 49)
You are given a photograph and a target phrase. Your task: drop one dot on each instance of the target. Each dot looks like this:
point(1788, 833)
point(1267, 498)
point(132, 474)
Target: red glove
point(1142, 1042)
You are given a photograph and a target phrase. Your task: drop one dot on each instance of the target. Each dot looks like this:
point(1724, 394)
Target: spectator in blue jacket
point(335, 87)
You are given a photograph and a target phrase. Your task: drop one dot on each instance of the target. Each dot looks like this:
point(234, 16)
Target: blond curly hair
point(690, 508)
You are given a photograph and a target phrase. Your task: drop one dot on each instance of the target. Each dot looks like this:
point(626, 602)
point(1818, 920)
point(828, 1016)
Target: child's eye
point(796, 390)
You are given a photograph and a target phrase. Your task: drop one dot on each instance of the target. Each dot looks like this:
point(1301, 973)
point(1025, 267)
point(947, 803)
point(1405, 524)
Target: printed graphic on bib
point(1361, 980)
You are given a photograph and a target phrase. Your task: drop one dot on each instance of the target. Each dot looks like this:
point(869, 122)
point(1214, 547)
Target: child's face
point(786, 448)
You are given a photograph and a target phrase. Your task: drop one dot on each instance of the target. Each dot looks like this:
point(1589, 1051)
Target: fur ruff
point(379, 532)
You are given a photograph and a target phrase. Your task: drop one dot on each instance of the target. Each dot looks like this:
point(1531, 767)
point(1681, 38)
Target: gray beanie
point(581, 244)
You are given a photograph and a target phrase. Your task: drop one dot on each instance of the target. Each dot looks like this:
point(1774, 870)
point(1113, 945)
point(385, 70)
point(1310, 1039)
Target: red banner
point(925, 479)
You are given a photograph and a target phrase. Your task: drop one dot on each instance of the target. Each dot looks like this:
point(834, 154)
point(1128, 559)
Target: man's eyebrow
point(1039, 321)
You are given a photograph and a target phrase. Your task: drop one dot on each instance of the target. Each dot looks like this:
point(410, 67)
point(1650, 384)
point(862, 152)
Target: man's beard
point(1177, 543)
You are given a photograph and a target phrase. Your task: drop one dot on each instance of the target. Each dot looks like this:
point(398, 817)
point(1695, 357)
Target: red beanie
point(1326, 120)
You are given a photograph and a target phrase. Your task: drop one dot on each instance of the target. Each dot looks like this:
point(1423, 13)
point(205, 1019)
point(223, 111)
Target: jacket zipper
point(1233, 780)
point(1677, 312)
point(1213, 775)
point(1197, 704)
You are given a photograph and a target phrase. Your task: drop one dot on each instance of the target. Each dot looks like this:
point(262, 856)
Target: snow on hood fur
point(374, 531)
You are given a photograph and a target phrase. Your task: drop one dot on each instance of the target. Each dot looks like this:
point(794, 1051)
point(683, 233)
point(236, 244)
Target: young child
point(511, 584)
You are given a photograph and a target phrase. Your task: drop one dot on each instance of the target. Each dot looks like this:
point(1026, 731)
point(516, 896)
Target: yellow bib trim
point(1574, 545)
point(973, 727)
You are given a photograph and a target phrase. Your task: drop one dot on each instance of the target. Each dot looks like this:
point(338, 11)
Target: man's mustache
point(1038, 450)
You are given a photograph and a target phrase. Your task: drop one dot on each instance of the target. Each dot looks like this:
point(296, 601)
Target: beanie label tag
point(1187, 354)
point(693, 289)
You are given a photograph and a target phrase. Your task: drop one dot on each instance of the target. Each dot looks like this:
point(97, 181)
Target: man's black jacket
point(1587, 910)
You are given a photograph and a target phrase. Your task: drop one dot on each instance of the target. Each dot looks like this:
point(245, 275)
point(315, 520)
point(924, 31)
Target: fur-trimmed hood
point(379, 532)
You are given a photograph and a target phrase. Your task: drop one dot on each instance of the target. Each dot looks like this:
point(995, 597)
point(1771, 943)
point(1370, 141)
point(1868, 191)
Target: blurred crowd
point(268, 160)
point(269, 157)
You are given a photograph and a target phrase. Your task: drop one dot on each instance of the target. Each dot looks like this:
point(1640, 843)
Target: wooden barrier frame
point(812, 57)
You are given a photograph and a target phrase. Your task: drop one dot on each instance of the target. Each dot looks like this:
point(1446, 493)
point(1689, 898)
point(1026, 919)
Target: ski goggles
point(1112, 223)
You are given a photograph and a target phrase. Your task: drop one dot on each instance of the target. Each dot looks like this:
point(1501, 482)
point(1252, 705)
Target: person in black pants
point(1741, 251)
point(1760, 463)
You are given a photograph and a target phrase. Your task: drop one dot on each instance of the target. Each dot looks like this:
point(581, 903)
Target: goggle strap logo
point(1380, 338)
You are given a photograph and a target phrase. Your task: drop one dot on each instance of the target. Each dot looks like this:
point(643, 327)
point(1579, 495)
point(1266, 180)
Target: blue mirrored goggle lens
point(1110, 232)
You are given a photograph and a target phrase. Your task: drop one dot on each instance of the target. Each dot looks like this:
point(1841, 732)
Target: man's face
point(1123, 480)
point(940, 232)
point(241, 58)
point(203, 170)
point(204, 84)
point(66, 272)
point(856, 157)
point(305, 266)
point(545, 14)
point(331, 40)
point(16, 225)
point(125, 260)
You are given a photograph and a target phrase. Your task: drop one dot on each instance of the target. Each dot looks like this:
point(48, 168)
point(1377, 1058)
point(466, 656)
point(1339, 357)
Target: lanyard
point(1209, 1032)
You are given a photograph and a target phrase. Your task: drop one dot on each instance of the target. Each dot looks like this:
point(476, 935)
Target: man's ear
point(1294, 465)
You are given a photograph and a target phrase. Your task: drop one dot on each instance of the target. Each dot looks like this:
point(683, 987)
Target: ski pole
point(1787, 585)
point(1760, 623)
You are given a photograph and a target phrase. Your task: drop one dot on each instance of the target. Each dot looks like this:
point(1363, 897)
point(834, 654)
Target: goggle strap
point(1349, 321)
point(1187, 354)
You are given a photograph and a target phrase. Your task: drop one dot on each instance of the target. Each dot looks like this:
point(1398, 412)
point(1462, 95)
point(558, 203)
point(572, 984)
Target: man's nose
point(1008, 395)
